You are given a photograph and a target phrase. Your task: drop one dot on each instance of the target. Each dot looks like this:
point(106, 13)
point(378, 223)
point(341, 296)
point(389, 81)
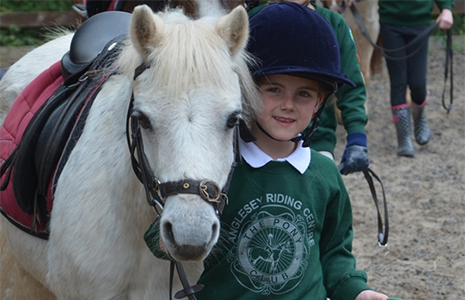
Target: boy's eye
point(272, 89)
point(269, 88)
point(304, 94)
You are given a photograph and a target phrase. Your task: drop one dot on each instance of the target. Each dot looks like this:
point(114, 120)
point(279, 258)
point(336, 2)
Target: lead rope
point(448, 63)
point(421, 38)
point(382, 235)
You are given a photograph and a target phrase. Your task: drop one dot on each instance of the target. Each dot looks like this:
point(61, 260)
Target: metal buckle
point(203, 191)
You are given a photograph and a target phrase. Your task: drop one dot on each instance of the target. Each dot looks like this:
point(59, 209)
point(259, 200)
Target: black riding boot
point(401, 117)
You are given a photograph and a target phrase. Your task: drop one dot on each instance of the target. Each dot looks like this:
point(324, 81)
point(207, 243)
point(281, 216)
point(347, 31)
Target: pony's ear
point(234, 29)
point(146, 30)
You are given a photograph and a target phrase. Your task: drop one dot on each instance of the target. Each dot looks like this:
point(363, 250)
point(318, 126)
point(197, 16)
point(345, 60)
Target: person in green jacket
point(350, 100)
point(402, 21)
point(287, 230)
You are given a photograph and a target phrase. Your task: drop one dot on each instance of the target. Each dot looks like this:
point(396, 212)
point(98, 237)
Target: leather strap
point(382, 234)
point(188, 290)
point(419, 40)
point(448, 70)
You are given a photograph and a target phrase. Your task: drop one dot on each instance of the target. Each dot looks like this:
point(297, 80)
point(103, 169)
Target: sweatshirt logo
point(271, 252)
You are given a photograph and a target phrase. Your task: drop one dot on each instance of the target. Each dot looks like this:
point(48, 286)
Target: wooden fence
point(39, 19)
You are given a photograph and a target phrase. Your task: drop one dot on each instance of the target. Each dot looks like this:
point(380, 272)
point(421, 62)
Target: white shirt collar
point(256, 158)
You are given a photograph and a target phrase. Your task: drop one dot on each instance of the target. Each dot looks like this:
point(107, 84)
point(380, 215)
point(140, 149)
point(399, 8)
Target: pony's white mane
point(200, 54)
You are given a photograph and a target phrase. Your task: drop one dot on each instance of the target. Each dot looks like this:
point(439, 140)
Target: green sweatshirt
point(411, 12)
point(350, 101)
point(285, 235)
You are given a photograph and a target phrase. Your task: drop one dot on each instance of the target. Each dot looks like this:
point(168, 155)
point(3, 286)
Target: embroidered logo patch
point(271, 253)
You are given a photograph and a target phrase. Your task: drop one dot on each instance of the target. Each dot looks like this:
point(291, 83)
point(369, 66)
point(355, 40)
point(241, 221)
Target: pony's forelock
point(184, 50)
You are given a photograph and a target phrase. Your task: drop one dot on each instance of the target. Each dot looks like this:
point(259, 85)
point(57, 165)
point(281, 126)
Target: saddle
point(55, 128)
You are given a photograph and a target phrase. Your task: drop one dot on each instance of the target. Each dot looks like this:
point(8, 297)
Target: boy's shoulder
point(329, 15)
point(327, 172)
point(323, 165)
point(335, 19)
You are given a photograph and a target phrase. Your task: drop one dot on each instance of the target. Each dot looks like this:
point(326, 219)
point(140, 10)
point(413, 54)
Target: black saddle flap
point(47, 134)
point(25, 156)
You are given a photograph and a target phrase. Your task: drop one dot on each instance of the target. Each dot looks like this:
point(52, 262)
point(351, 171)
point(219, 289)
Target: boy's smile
point(289, 104)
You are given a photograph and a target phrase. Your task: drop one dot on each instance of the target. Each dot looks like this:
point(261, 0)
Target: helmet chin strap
point(307, 134)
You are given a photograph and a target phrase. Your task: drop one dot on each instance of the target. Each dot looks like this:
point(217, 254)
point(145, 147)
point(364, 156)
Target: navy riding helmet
point(289, 38)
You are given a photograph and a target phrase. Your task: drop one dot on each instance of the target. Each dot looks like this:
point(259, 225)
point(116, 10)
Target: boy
point(350, 100)
point(287, 231)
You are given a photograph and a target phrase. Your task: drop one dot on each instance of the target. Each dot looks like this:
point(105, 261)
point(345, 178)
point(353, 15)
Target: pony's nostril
point(168, 232)
point(214, 229)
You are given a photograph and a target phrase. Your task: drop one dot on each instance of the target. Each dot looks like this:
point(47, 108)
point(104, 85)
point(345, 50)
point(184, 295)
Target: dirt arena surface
point(425, 257)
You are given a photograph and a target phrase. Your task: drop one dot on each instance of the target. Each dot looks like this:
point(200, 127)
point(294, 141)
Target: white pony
point(195, 88)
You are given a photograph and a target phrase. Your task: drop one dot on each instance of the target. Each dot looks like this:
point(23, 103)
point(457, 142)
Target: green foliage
point(35, 5)
point(459, 24)
point(15, 36)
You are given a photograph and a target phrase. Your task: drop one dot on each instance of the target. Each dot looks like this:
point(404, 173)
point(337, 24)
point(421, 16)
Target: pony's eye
point(232, 121)
point(144, 121)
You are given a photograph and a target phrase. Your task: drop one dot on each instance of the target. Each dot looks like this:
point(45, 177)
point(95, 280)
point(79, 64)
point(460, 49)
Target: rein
point(382, 235)
point(157, 192)
point(383, 231)
point(449, 52)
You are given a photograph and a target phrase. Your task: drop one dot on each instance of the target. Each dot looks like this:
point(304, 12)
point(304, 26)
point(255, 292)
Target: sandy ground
point(425, 256)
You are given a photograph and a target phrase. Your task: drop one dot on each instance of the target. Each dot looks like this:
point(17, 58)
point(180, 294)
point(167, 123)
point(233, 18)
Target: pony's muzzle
point(189, 228)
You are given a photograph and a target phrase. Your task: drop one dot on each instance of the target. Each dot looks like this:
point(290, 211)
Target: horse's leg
point(377, 60)
point(369, 12)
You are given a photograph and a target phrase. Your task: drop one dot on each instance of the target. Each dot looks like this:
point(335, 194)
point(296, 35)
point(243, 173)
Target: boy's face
point(290, 103)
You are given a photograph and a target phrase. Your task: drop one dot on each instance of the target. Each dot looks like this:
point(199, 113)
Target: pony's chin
point(188, 253)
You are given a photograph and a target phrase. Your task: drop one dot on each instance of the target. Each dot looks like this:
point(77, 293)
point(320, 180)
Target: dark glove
point(355, 157)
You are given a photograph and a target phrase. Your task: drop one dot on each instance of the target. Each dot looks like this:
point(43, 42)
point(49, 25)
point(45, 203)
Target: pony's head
point(193, 90)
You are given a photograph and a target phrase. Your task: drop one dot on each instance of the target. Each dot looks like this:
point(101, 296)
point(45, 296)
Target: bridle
point(157, 192)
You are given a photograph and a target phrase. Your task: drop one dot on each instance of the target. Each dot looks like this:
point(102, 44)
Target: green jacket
point(411, 12)
point(285, 235)
point(350, 101)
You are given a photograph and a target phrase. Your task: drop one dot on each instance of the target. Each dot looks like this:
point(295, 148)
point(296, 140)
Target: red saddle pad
point(11, 132)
